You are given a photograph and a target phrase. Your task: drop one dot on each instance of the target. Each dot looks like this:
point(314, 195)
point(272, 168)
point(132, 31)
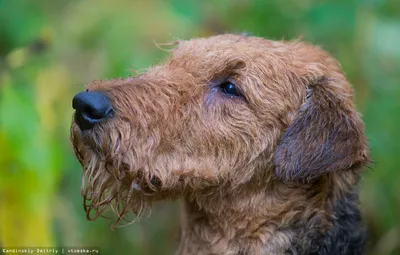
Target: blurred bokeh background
point(50, 49)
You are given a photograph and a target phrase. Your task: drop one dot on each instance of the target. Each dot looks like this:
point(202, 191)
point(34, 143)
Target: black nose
point(91, 107)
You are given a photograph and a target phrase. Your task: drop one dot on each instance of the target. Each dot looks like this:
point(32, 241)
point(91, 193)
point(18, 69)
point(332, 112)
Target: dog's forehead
point(208, 57)
point(225, 46)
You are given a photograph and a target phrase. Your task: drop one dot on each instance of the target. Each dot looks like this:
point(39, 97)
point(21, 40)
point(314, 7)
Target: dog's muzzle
point(91, 107)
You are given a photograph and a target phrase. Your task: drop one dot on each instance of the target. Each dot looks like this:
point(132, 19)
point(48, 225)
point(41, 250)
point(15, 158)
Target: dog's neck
point(256, 220)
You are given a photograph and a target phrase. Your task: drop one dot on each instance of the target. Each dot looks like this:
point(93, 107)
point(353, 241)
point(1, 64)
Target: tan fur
point(175, 135)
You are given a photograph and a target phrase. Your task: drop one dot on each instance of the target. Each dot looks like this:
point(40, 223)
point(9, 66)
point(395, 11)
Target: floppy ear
point(326, 135)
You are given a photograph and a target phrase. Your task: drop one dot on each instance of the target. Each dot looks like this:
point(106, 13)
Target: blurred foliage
point(50, 49)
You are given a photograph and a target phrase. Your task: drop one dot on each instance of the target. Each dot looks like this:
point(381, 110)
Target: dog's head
point(221, 111)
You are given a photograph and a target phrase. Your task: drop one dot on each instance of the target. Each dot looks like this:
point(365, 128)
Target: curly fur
point(272, 172)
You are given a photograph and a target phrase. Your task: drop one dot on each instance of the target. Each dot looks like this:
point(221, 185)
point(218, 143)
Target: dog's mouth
point(118, 164)
point(100, 152)
point(113, 178)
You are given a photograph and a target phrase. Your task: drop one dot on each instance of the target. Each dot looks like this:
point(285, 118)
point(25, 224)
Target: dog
point(260, 139)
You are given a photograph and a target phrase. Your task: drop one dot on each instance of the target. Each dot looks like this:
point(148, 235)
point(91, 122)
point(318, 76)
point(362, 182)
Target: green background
point(49, 49)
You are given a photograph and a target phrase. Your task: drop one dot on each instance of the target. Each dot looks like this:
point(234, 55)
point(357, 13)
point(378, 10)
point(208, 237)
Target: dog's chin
point(114, 178)
point(107, 181)
point(107, 189)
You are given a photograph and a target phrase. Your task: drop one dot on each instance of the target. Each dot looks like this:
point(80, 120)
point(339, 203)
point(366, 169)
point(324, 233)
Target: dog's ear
point(326, 135)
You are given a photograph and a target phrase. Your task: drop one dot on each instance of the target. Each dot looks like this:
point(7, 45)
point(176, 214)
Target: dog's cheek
point(232, 136)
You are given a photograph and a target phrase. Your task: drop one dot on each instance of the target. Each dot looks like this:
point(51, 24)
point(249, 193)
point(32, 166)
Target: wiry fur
point(272, 172)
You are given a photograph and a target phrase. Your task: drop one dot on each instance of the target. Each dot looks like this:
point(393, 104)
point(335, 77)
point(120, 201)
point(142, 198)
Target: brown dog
point(260, 138)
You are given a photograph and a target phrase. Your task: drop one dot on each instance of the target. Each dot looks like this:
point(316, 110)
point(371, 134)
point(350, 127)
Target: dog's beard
point(125, 168)
point(114, 178)
point(102, 189)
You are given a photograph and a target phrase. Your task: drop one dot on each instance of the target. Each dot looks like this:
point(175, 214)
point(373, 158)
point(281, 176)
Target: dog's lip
point(147, 188)
point(85, 138)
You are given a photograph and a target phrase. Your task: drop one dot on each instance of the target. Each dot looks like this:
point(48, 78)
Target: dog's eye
point(230, 89)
